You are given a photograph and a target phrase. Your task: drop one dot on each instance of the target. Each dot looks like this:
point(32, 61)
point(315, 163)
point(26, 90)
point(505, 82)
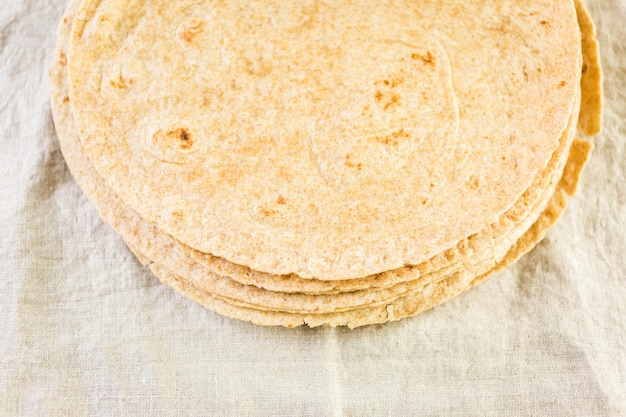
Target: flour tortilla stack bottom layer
point(265, 298)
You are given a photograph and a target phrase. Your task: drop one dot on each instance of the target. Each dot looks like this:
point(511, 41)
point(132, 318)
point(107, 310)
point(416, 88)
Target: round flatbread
point(305, 311)
point(143, 238)
point(276, 148)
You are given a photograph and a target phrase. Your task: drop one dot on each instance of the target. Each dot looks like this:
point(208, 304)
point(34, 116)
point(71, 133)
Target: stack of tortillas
point(326, 163)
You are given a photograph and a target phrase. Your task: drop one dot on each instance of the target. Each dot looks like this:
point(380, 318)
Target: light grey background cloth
point(86, 331)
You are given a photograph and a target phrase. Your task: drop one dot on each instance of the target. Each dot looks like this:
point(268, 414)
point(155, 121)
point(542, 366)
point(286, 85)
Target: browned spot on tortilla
point(194, 27)
point(428, 59)
point(280, 200)
point(119, 82)
point(267, 212)
point(388, 98)
point(391, 83)
point(178, 214)
point(66, 99)
point(62, 58)
point(392, 138)
point(171, 137)
point(185, 138)
point(562, 84)
point(473, 183)
point(351, 164)
point(394, 100)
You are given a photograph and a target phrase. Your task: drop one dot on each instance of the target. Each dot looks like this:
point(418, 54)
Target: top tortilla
point(251, 132)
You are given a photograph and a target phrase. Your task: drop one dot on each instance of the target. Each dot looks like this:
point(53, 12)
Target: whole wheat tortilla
point(269, 301)
point(250, 298)
point(249, 151)
point(294, 283)
point(379, 302)
point(223, 287)
point(383, 300)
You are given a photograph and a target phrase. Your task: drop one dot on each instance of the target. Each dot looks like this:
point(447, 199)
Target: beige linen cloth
point(86, 331)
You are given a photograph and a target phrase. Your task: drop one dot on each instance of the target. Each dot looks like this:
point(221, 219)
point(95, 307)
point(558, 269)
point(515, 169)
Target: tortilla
point(296, 155)
point(268, 301)
point(296, 284)
point(221, 286)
